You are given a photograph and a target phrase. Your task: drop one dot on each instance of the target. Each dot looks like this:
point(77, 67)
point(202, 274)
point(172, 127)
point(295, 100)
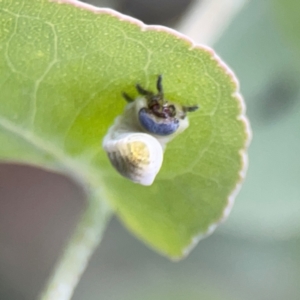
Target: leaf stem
point(205, 20)
point(77, 253)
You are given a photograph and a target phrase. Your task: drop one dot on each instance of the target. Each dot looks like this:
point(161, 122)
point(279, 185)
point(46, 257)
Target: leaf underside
point(63, 67)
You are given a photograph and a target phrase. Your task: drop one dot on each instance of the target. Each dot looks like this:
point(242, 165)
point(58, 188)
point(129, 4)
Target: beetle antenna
point(160, 89)
point(190, 108)
point(142, 91)
point(127, 97)
point(159, 85)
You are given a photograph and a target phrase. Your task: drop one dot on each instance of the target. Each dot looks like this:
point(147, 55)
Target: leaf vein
point(33, 109)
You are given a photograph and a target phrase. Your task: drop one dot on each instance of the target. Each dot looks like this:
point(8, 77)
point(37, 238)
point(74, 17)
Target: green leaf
point(63, 67)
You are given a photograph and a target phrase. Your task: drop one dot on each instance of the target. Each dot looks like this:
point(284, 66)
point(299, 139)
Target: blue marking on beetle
point(159, 127)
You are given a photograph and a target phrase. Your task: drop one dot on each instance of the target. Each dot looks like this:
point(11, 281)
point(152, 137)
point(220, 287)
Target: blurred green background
point(254, 255)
